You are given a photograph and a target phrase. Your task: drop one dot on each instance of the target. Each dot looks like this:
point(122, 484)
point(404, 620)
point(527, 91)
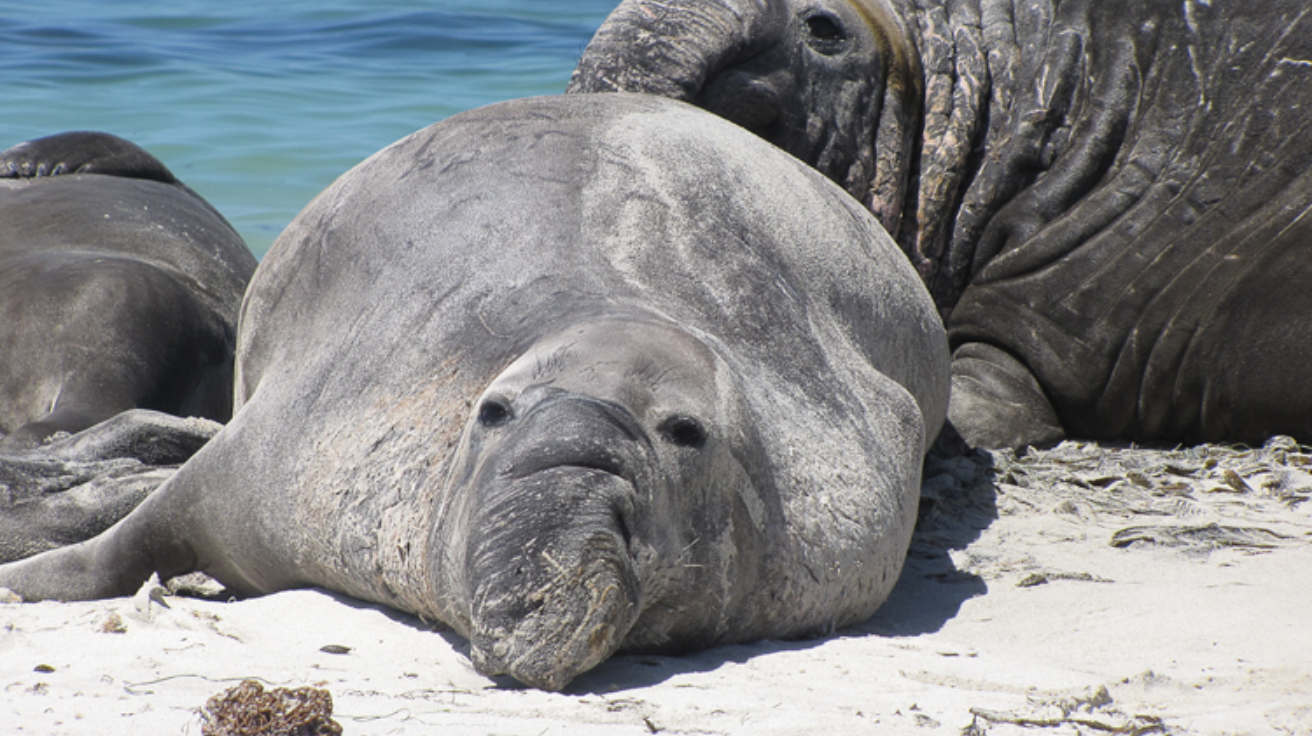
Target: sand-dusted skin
point(570, 374)
point(1107, 198)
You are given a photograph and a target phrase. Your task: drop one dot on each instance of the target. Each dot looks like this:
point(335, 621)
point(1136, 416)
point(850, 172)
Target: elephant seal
point(119, 289)
point(1107, 200)
point(570, 374)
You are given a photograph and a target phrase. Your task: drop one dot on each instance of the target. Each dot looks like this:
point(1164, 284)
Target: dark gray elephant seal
point(1108, 201)
point(571, 374)
point(119, 289)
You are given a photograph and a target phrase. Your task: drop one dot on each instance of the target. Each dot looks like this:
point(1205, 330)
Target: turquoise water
point(260, 105)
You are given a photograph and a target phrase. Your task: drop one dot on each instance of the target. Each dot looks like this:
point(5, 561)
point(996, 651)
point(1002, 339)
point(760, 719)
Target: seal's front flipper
point(996, 402)
point(152, 437)
point(33, 435)
point(82, 152)
point(70, 507)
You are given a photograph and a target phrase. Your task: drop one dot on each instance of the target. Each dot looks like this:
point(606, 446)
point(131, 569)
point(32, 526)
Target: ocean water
point(260, 105)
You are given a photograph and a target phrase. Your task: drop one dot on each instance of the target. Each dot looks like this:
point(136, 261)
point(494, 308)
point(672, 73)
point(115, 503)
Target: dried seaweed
point(1092, 710)
point(1202, 498)
point(249, 710)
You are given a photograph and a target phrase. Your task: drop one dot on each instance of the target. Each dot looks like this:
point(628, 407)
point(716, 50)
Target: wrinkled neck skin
point(822, 79)
point(1002, 81)
point(1027, 107)
point(936, 115)
point(599, 480)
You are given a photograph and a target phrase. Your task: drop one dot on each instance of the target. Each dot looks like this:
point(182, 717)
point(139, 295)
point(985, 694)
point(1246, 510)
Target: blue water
point(260, 105)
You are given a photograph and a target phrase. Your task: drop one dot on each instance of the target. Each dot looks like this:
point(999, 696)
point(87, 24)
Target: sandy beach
point(1079, 590)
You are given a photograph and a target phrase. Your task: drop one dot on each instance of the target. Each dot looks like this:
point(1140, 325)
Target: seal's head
point(836, 83)
point(589, 478)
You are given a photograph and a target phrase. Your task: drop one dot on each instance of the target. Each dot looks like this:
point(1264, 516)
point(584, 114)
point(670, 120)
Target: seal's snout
point(749, 100)
point(554, 588)
point(554, 614)
point(553, 585)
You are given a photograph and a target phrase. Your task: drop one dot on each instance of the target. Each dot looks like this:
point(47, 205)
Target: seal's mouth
point(745, 99)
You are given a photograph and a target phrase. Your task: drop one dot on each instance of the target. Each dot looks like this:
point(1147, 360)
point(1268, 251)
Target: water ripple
point(260, 108)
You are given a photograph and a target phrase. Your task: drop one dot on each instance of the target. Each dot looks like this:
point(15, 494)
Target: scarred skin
point(572, 375)
point(1107, 199)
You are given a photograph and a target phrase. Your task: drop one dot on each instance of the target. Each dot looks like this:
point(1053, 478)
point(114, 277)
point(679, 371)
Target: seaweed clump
point(249, 710)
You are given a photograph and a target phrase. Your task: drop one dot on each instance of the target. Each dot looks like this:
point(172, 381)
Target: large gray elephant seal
point(119, 289)
point(570, 374)
point(1107, 198)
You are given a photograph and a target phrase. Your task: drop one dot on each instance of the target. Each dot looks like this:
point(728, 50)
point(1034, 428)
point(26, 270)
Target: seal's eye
point(823, 32)
point(684, 431)
point(494, 413)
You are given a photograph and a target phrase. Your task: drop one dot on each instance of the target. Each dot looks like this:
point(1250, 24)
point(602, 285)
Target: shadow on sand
point(958, 501)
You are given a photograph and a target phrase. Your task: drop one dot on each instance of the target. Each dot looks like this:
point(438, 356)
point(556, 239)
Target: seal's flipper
point(997, 402)
point(74, 488)
point(152, 437)
point(82, 152)
point(112, 564)
point(33, 435)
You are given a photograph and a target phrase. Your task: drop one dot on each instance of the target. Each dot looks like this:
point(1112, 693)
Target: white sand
point(1201, 638)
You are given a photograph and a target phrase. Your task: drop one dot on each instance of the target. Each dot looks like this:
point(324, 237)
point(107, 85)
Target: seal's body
point(572, 375)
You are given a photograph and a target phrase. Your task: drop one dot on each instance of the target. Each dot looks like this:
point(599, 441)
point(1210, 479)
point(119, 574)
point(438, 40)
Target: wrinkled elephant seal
point(570, 374)
point(119, 289)
point(1108, 198)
